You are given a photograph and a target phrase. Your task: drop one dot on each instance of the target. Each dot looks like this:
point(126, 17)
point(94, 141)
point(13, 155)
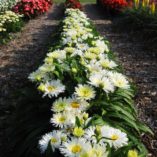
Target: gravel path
point(20, 57)
point(139, 64)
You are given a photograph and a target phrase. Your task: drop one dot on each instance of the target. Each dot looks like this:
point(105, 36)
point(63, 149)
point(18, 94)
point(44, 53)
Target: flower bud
point(132, 153)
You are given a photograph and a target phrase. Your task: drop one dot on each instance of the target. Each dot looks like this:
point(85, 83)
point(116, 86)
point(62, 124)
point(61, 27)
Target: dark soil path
point(20, 57)
point(139, 63)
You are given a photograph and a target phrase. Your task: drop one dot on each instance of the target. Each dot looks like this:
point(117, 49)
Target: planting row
point(93, 112)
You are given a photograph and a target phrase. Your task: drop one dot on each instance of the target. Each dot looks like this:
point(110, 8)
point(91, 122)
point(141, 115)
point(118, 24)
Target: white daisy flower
point(53, 138)
point(84, 36)
point(46, 68)
point(66, 40)
point(36, 76)
point(71, 32)
point(95, 50)
point(93, 66)
point(90, 35)
point(107, 85)
point(63, 136)
point(106, 63)
point(76, 105)
point(82, 46)
point(101, 44)
point(69, 50)
point(96, 79)
point(60, 120)
point(89, 55)
point(119, 80)
point(53, 88)
point(99, 80)
point(58, 54)
point(98, 151)
point(84, 92)
point(77, 52)
point(83, 15)
point(60, 105)
point(90, 134)
point(74, 147)
point(115, 137)
point(80, 40)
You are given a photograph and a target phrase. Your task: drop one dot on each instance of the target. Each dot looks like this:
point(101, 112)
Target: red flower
point(32, 8)
point(114, 5)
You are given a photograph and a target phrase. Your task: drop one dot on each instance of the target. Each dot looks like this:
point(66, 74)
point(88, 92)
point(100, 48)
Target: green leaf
point(123, 111)
point(77, 121)
point(128, 121)
point(98, 121)
point(144, 128)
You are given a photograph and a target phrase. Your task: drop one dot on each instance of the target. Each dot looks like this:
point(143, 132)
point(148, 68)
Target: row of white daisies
point(84, 57)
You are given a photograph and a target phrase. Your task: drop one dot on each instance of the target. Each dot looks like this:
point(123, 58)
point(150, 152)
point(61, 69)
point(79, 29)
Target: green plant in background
point(144, 6)
point(9, 22)
point(142, 13)
point(140, 17)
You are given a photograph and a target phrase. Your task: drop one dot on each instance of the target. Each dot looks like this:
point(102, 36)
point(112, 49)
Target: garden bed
point(16, 67)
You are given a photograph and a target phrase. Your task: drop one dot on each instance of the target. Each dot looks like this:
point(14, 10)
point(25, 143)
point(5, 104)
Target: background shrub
point(7, 4)
point(9, 22)
point(113, 5)
point(32, 8)
point(141, 18)
point(75, 4)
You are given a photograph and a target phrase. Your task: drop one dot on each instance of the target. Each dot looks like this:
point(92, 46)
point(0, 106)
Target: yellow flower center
point(76, 149)
point(114, 137)
point(62, 104)
point(51, 88)
point(75, 104)
point(78, 131)
point(85, 92)
point(82, 46)
point(62, 119)
point(105, 64)
point(53, 140)
point(90, 55)
point(120, 83)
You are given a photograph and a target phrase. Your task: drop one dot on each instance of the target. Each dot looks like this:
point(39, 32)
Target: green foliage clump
point(141, 17)
point(9, 22)
point(7, 4)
